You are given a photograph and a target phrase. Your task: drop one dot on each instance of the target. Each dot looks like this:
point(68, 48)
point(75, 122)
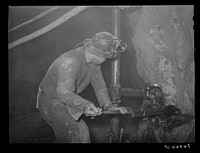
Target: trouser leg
point(66, 129)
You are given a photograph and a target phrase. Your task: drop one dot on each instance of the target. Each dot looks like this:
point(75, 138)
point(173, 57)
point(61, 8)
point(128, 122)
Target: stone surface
point(163, 40)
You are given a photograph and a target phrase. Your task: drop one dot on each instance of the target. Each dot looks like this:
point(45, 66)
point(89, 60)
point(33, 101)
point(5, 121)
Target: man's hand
point(91, 110)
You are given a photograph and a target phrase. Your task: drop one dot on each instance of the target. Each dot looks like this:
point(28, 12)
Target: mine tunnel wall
point(163, 39)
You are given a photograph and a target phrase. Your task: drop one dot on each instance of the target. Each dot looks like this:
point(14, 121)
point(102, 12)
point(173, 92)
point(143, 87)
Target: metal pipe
point(130, 92)
point(115, 83)
point(115, 65)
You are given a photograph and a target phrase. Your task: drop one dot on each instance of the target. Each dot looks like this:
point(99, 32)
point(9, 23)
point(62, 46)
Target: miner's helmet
point(104, 44)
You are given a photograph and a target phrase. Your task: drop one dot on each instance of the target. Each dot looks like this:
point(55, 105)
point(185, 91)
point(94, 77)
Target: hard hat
point(103, 41)
point(104, 44)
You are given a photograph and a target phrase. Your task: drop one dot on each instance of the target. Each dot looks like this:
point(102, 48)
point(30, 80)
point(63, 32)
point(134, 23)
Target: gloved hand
point(91, 110)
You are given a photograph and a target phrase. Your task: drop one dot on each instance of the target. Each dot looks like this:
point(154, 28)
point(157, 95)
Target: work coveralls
point(58, 99)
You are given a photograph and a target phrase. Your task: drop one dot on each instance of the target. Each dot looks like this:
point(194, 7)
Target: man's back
point(50, 80)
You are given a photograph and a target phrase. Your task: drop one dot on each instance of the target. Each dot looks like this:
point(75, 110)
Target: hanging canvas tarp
point(49, 27)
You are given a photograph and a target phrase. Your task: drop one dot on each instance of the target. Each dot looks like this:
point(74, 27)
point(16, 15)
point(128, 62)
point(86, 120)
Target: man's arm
point(66, 87)
point(100, 88)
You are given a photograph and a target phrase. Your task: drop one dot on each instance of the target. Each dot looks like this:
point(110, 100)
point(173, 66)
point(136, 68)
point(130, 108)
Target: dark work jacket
point(68, 75)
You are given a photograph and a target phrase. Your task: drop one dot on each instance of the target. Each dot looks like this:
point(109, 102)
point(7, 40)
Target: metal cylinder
point(115, 66)
point(115, 70)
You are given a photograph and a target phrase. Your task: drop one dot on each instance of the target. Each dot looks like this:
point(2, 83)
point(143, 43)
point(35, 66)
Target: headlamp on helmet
point(121, 47)
point(115, 47)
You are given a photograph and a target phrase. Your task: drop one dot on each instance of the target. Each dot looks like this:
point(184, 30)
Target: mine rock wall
point(163, 39)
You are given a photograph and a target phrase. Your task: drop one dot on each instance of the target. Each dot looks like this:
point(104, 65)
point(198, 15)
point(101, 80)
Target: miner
point(58, 99)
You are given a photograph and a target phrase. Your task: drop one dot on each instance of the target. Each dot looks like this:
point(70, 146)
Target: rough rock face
point(163, 39)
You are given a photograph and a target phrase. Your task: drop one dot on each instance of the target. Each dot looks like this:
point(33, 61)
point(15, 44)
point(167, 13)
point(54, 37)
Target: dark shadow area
point(25, 122)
